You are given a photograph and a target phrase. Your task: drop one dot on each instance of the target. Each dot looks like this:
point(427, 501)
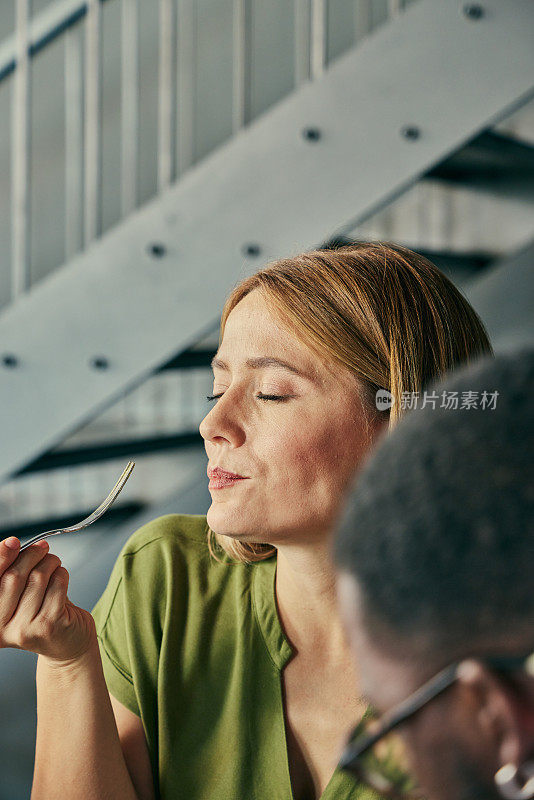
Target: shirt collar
point(266, 610)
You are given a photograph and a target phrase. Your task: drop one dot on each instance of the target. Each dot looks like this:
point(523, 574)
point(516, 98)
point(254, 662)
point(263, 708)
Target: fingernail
point(13, 543)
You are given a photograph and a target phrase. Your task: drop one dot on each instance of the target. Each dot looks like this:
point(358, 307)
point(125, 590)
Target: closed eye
point(275, 397)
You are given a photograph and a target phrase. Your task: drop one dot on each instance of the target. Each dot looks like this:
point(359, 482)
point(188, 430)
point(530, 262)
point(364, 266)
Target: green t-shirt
point(195, 648)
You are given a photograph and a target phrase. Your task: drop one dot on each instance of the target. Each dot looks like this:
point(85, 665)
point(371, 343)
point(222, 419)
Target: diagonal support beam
point(504, 299)
point(155, 284)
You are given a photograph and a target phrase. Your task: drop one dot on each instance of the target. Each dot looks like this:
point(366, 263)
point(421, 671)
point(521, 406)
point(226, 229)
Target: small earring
point(508, 784)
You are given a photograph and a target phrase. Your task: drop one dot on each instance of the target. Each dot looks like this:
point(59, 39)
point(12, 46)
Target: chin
point(230, 523)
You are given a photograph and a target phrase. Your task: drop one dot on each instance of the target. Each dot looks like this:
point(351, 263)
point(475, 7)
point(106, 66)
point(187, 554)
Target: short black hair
point(438, 527)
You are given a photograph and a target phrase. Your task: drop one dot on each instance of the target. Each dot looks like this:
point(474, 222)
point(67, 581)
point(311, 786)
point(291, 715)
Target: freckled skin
point(300, 454)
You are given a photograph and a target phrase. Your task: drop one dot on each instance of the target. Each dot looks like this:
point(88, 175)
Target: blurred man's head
point(436, 556)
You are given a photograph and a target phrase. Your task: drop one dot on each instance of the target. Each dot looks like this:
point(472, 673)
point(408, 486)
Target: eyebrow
point(261, 362)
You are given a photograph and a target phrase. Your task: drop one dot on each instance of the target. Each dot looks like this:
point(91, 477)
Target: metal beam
point(340, 147)
point(111, 450)
point(92, 118)
point(504, 299)
point(20, 148)
point(43, 29)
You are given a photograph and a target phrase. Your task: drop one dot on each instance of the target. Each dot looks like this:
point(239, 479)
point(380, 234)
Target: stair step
point(460, 264)
point(455, 262)
point(109, 450)
point(189, 359)
point(490, 161)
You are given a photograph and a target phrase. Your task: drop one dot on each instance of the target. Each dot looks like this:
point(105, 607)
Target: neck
point(307, 601)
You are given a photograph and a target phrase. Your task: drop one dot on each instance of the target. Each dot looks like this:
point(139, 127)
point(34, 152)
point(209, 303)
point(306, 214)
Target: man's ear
point(499, 712)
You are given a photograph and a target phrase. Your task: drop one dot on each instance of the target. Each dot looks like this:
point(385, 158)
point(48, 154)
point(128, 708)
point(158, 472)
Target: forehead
point(252, 322)
point(253, 330)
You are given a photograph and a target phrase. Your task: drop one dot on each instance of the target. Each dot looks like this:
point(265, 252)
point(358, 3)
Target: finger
point(25, 560)
point(36, 586)
point(40, 634)
point(14, 577)
point(9, 550)
point(55, 597)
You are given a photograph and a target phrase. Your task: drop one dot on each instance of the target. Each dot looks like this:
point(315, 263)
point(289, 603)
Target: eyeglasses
point(376, 754)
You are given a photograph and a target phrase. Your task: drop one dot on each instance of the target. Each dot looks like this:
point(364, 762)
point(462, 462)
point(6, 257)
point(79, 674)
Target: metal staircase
point(417, 102)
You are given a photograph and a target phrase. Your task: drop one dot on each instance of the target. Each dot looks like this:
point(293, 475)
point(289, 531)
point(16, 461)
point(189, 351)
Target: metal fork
point(97, 513)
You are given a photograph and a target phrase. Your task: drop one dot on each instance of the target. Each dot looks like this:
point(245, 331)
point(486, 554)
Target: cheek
point(435, 752)
point(320, 446)
point(421, 753)
point(295, 453)
point(323, 456)
point(338, 450)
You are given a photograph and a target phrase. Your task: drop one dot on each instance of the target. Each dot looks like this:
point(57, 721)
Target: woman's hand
point(35, 612)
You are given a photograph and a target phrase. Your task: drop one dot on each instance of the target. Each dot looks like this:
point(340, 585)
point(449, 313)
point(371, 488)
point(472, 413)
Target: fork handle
point(38, 539)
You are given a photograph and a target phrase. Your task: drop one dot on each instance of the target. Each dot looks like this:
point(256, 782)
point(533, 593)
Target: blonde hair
point(385, 313)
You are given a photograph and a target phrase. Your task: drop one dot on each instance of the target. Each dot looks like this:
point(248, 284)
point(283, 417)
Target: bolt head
point(410, 132)
point(311, 134)
point(473, 11)
point(9, 360)
point(252, 249)
point(99, 362)
point(157, 249)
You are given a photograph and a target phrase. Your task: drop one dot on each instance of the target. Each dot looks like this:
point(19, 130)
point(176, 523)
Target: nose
point(222, 421)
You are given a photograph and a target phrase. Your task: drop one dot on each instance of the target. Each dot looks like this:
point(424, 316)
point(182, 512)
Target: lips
point(217, 472)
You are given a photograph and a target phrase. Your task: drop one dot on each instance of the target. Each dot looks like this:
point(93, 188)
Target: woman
point(219, 640)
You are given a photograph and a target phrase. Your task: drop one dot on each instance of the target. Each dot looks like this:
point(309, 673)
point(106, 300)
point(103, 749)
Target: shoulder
point(164, 552)
point(155, 566)
point(171, 554)
point(171, 532)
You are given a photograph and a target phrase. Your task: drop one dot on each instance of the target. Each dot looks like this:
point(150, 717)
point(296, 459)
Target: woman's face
point(298, 454)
